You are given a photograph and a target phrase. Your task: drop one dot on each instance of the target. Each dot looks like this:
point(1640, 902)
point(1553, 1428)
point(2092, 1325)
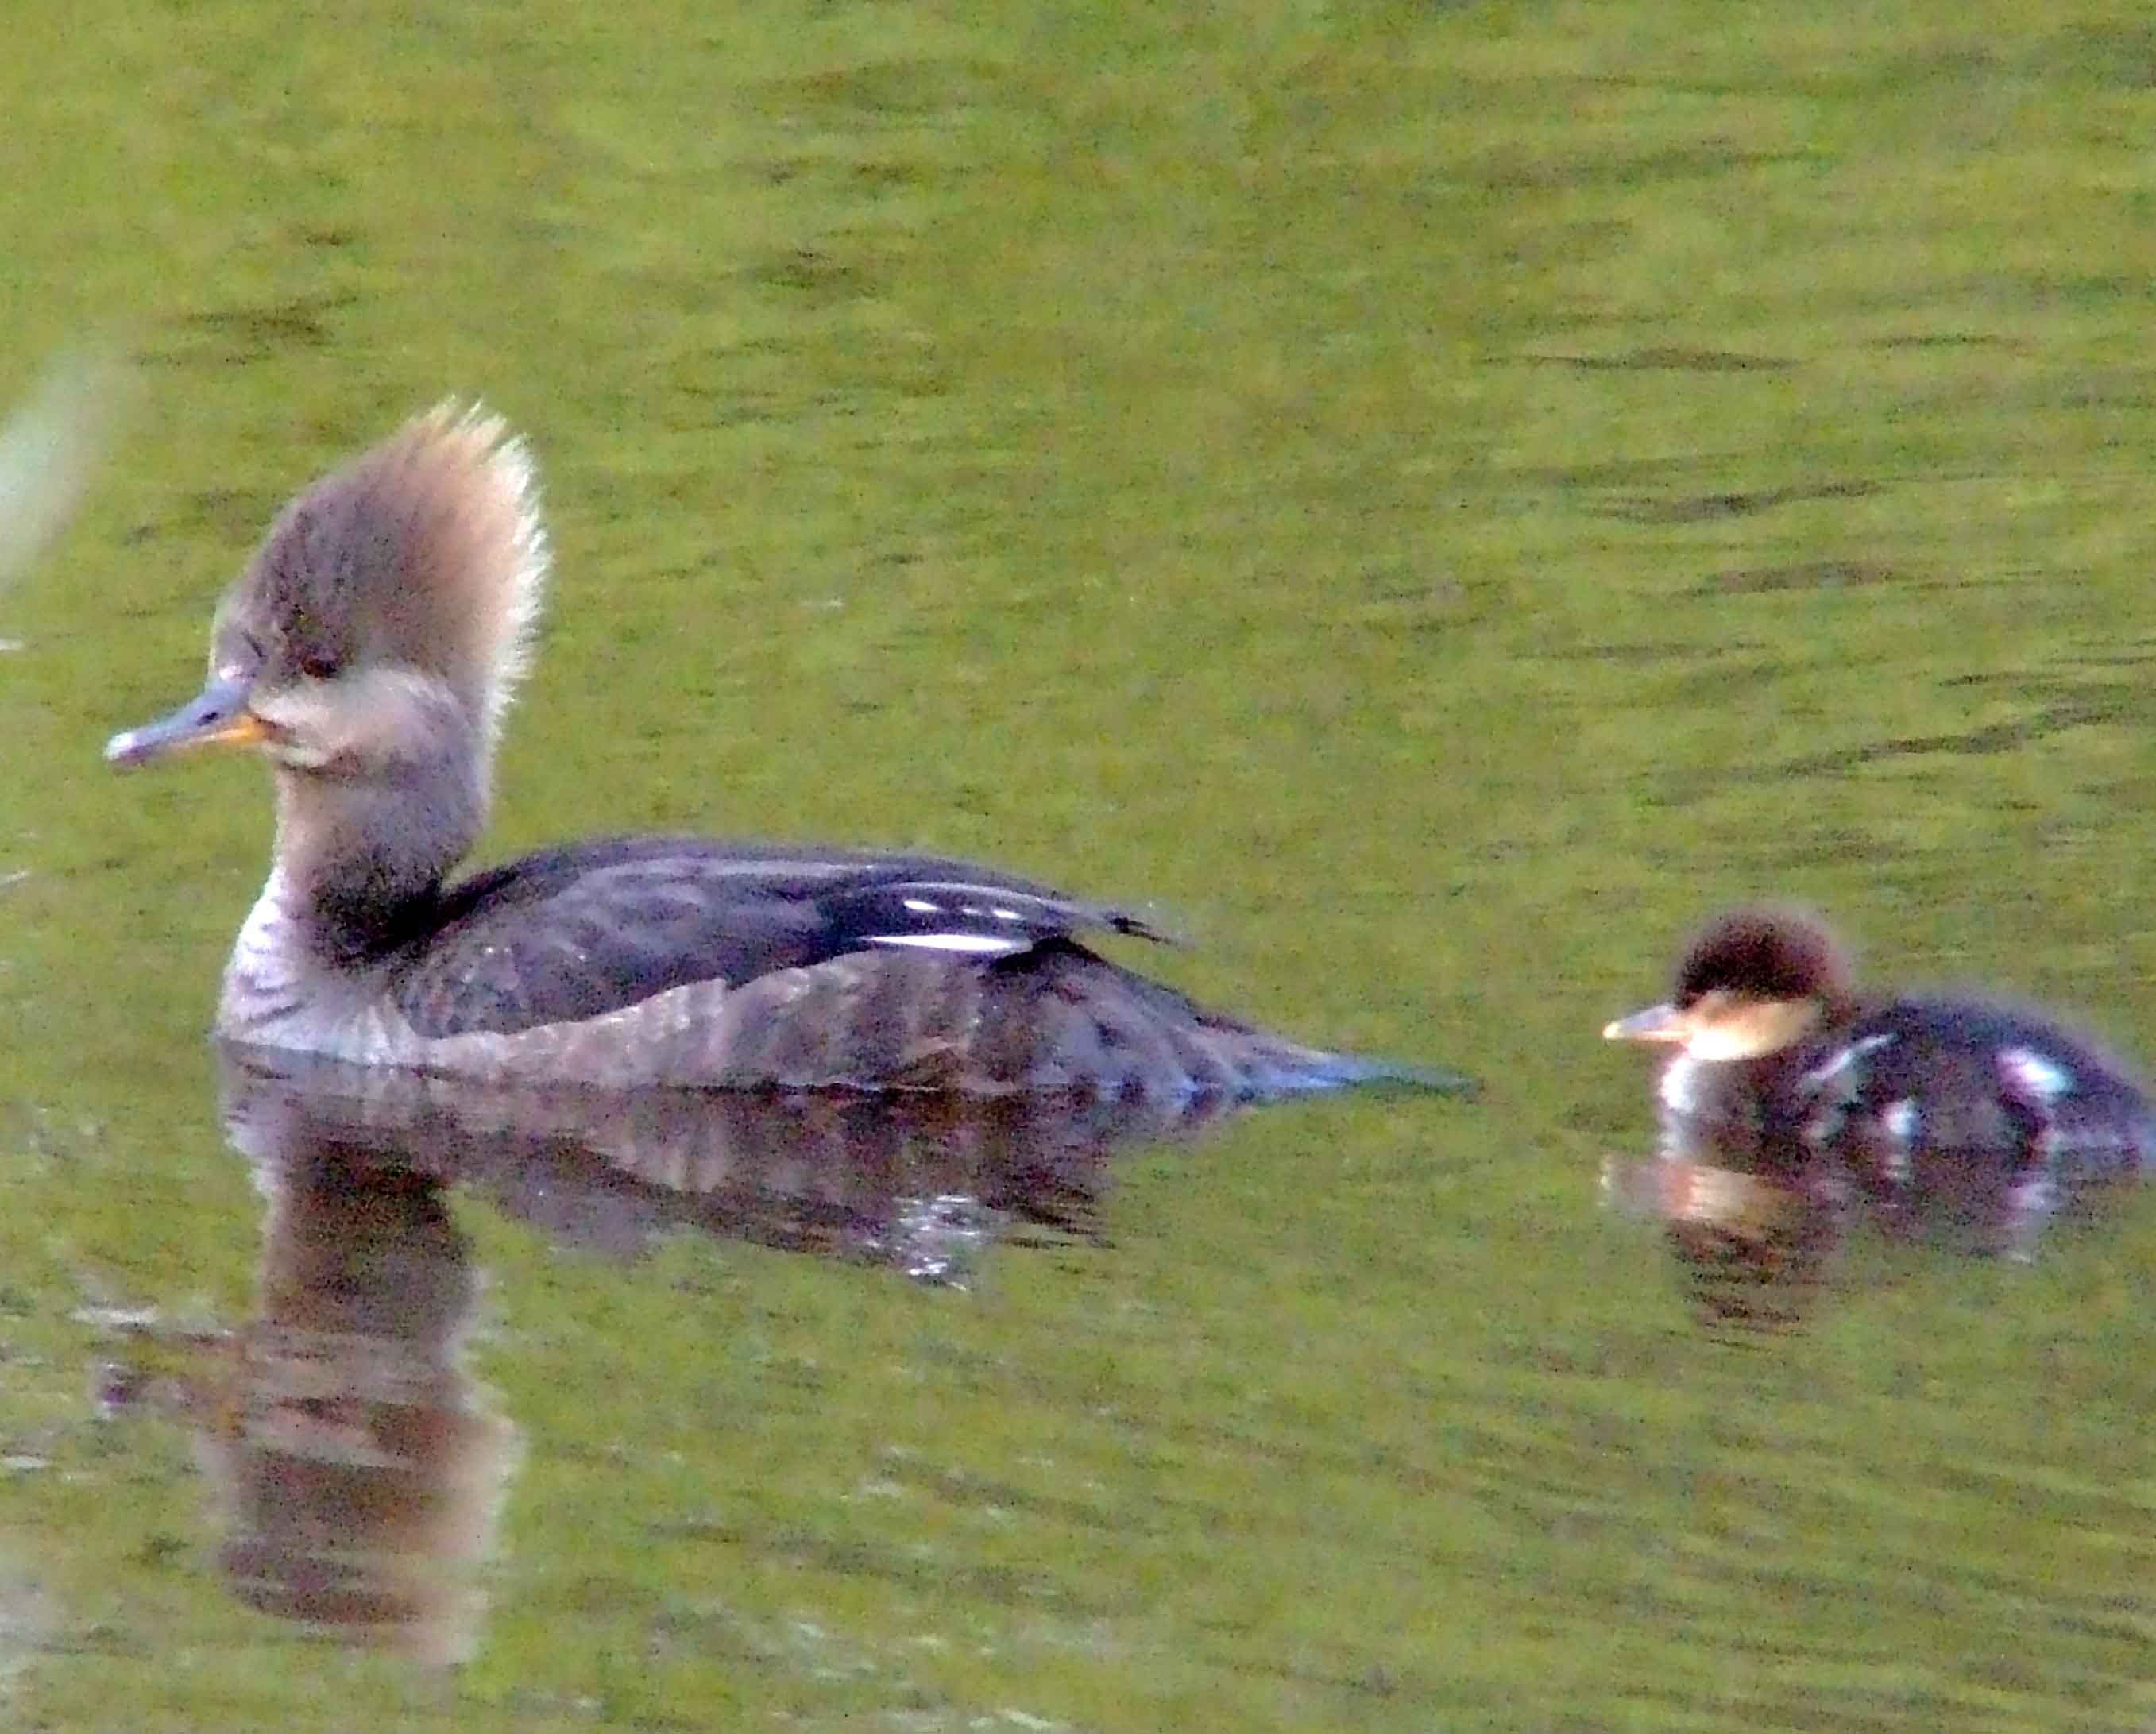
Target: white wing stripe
point(984, 945)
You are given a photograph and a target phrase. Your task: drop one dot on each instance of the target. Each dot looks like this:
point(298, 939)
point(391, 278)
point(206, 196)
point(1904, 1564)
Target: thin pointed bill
point(1656, 1023)
point(216, 716)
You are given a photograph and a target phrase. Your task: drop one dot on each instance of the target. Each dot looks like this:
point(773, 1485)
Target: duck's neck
point(362, 859)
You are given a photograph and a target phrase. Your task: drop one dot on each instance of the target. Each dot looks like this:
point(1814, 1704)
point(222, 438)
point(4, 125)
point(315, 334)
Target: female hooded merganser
point(369, 649)
point(1935, 1111)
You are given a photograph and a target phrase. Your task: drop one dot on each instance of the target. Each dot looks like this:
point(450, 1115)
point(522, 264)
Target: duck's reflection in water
point(923, 1183)
point(358, 1468)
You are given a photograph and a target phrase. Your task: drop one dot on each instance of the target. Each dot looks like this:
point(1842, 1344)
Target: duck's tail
point(1279, 1068)
point(1054, 1020)
point(1093, 1026)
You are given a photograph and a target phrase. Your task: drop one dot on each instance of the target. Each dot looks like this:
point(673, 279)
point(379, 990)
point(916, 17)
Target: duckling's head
point(1754, 981)
point(385, 619)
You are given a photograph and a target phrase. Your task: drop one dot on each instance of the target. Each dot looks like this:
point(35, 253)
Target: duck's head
point(1754, 981)
point(383, 622)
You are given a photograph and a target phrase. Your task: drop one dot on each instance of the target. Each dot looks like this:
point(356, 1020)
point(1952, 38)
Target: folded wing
point(577, 932)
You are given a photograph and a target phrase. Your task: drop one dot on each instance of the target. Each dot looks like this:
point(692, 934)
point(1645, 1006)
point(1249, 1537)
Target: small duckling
point(1933, 1109)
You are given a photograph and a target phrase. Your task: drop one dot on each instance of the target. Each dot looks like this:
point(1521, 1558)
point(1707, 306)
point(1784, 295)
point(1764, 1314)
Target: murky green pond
point(1434, 498)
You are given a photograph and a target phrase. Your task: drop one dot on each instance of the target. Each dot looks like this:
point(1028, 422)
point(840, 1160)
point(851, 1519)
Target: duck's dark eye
point(317, 664)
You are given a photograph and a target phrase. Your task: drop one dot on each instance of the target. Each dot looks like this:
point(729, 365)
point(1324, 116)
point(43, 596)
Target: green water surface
point(1433, 497)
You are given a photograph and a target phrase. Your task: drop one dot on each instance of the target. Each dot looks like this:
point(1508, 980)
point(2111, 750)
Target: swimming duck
point(370, 648)
point(1931, 1111)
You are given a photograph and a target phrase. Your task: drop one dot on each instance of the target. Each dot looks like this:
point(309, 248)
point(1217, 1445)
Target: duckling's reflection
point(1756, 1250)
point(358, 1467)
point(1753, 1252)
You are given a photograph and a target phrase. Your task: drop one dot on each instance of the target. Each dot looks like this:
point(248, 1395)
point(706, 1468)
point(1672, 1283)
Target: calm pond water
point(1431, 499)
